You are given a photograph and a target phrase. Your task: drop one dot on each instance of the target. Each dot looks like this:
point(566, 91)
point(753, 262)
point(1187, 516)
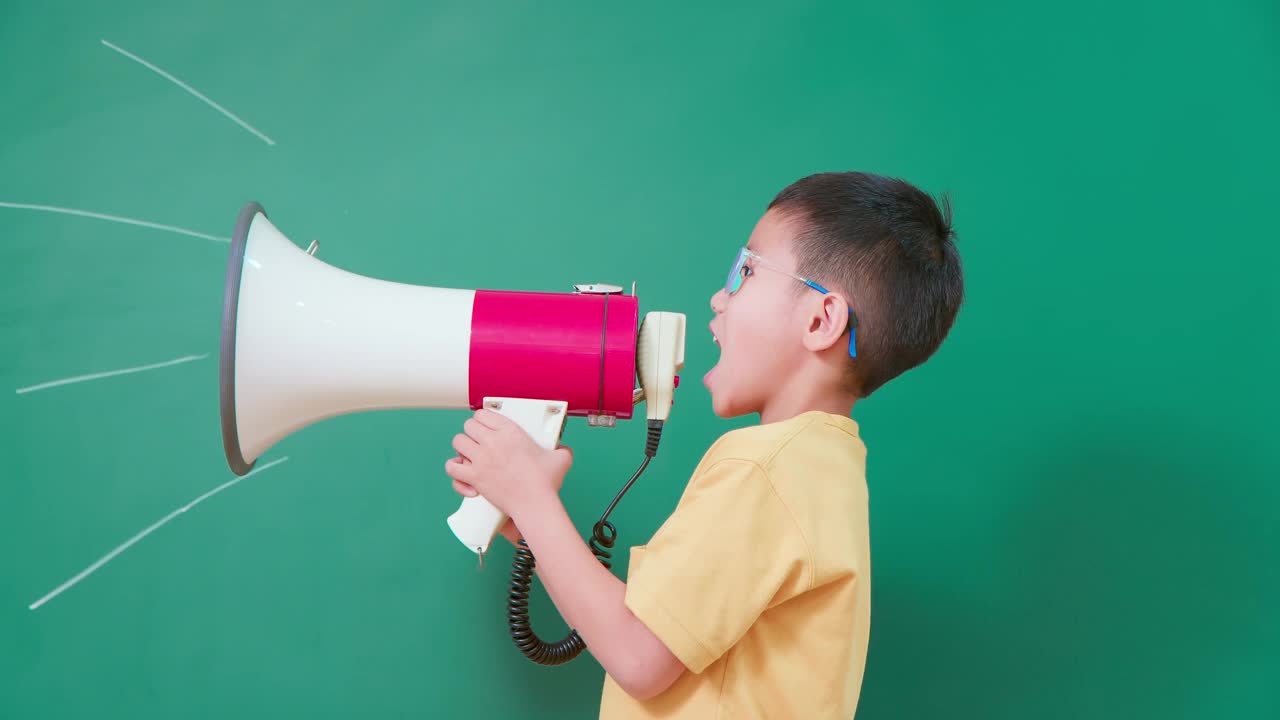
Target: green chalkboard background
point(1074, 506)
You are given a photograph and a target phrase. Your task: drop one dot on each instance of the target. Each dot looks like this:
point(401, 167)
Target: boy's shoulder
point(796, 439)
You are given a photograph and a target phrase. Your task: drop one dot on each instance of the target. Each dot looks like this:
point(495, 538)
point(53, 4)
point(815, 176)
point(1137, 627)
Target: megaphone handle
point(477, 521)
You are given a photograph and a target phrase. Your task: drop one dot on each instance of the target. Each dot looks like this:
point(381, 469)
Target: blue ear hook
point(853, 320)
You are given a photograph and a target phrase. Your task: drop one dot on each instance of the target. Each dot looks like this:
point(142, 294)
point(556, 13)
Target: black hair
point(889, 250)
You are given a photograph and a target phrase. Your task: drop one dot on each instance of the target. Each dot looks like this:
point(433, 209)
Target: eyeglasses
point(740, 270)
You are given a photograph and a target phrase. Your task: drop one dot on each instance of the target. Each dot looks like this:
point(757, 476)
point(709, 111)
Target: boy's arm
point(697, 590)
point(499, 460)
point(592, 601)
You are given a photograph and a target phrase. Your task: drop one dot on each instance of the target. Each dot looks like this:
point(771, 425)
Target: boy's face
point(759, 327)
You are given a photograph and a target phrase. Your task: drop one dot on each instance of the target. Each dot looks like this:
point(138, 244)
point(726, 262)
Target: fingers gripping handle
point(477, 521)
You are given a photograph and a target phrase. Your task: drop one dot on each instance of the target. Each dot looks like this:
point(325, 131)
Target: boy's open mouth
point(706, 379)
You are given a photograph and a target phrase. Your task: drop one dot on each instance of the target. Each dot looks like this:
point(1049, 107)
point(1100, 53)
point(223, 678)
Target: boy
point(753, 598)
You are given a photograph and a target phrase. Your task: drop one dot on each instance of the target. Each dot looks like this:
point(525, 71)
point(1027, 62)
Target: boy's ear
point(828, 320)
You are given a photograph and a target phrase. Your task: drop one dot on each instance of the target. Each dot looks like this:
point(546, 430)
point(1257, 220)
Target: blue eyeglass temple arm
point(853, 319)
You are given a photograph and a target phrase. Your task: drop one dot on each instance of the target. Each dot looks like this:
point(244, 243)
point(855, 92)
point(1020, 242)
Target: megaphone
point(303, 341)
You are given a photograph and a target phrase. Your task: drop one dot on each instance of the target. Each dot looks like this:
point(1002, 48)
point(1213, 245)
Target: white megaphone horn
point(303, 341)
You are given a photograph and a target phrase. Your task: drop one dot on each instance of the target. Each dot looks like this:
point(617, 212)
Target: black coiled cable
point(603, 537)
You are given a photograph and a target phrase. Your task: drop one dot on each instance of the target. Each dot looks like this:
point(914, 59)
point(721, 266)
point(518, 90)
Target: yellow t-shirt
point(759, 582)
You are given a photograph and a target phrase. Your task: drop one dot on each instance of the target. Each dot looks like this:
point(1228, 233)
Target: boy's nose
point(717, 301)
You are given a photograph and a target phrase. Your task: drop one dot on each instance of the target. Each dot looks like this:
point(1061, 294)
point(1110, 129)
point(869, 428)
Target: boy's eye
point(746, 271)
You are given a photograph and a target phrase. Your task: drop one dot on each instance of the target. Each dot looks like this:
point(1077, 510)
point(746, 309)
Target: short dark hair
point(889, 249)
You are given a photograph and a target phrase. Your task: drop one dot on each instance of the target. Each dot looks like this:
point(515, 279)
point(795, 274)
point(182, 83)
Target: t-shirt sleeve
point(729, 551)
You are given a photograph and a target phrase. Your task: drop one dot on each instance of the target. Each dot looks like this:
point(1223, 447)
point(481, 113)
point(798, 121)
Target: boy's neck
point(796, 401)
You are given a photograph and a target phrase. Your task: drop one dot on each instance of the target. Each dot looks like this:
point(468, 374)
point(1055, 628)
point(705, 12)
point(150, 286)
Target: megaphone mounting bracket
point(597, 289)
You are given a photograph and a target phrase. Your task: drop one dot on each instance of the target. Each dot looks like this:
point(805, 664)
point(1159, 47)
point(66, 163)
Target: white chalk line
point(112, 218)
point(111, 373)
point(191, 90)
point(152, 528)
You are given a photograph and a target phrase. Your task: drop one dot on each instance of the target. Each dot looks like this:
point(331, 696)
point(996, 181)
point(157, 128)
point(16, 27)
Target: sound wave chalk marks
point(152, 528)
point(191, 90)
point(111, 373)
point(115, 552)
point(112, 218)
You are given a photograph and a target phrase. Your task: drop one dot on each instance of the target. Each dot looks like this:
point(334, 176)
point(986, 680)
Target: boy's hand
point(508, 529)
point(499, 460)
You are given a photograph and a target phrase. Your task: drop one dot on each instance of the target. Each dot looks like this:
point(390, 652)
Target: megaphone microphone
point(303, 341)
